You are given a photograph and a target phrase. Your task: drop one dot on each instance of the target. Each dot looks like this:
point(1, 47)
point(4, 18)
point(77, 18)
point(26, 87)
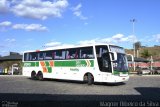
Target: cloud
point(10, 40)
point(77, 12)
point(30, 27)
point(88, 41)
point(7, 43)
point(121, 38)
point(27, 27)
point(77, 8)
point(4, 6)
point(52, 44)
point(2, 46)
point(85, 23)
point(3, 52)
point(118, 38)
point(38, 9)
point(156, 38)
point(5, 24)
point(115, 39)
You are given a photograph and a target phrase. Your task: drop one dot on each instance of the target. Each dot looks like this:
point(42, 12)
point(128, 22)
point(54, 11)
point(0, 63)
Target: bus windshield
point(120, 65)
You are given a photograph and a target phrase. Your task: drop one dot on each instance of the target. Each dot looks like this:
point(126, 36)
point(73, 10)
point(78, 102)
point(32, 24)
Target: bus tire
point(90, 79)
point(40, 76)
point(33, 75)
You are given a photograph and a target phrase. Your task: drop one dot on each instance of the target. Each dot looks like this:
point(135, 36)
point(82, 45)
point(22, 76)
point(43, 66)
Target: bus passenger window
point(59, 54)
point(67, 55)
point(84, 56)
point(48, 55)
point(63, 55)
point(76, 55)
point(53, 55)
point(72, 54)
point(87, 52)
point(33, 56)
point(40, 56)
point(26, 57)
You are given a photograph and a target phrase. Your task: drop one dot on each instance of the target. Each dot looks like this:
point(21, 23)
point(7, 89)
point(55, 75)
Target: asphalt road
point(22, 91)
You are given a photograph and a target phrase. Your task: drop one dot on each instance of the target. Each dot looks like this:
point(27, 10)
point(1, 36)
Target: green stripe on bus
point(118, 72)
point(78, 63)
point(31, 64)
point(37, 64)
point(71, 63)
point(47, 63)
point(64, 63)
point(49, 69)
point(92, 63)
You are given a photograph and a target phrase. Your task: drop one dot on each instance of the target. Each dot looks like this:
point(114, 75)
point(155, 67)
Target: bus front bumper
point(116, 78)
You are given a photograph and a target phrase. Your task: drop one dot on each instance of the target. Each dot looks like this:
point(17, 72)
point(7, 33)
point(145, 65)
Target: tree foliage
point(145, 53)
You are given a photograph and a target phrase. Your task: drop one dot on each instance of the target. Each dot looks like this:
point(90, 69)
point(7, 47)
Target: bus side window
point(76, 54)
point(87, 53)
point(26, 57)
point(63, 54)
point(68, 55)
point(40, 56)
point(48, 55)
point(72, 54)
point(59, 54)
point(33, 56)
point(84, 56)
point(53, 55)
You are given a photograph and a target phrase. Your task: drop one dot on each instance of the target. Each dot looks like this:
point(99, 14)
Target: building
point(11, 64)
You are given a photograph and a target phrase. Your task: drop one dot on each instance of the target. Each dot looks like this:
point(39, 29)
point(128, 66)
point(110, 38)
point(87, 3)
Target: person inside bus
point(53, 55)
point(68, 55)
point(76, 55)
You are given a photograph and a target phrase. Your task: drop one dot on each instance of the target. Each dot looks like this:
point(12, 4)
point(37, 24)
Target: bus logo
point(27, 64)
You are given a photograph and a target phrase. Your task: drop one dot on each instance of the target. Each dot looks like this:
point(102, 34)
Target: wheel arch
point(86, 74)
point(40, 75)
point(33, 74)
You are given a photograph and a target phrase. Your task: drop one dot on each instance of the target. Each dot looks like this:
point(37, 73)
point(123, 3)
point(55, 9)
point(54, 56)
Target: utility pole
point(151, 62)
point(133, 33)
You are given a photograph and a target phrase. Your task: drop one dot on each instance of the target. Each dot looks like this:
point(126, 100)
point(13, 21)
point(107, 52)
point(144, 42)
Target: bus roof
point(69, 46)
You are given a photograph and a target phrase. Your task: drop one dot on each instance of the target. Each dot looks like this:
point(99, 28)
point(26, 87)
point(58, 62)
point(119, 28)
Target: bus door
point(103, 59)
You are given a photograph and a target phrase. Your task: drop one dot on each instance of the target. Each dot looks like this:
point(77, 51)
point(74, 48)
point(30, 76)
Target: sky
point(39, 24)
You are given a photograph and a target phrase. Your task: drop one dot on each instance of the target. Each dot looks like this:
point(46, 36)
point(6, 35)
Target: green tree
point(145, 53)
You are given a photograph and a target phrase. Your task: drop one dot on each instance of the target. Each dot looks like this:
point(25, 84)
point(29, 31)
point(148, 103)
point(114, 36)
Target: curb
point(144, 75)
point(11, 75)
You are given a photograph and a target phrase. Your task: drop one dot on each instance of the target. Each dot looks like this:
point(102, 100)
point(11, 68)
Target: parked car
point(157, 70)
point(145, 70)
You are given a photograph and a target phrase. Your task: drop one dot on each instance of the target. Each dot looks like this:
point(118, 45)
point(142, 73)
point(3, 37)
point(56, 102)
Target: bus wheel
point(33, 75)
point(90, 79)
point(40, 76)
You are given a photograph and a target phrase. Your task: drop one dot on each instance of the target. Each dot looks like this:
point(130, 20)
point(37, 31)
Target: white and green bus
point(89, 63)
